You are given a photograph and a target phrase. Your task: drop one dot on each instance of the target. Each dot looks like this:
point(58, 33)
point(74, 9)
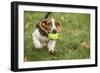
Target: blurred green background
point(73, 42)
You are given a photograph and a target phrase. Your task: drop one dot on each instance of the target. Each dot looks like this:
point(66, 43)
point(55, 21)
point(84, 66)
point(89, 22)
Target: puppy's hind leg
point(37, 43)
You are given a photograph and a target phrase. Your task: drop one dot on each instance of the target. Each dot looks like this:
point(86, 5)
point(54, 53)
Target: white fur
point(39, 41)
point(53, 24)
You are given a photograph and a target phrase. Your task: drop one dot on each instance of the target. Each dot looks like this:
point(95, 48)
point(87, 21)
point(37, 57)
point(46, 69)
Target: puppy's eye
point(57, 24)
point(49, 24)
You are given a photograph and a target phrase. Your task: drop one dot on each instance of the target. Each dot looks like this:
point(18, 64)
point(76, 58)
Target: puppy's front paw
point(53, 52)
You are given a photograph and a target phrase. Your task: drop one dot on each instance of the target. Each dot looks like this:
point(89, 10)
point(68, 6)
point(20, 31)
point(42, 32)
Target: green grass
point(73, 42)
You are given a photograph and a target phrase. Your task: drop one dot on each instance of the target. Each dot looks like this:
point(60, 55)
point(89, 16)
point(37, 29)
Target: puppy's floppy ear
point(59, 27)
point(42, 25)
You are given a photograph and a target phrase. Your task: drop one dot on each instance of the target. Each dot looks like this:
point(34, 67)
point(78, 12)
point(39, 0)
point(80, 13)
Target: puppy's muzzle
point(54, 31)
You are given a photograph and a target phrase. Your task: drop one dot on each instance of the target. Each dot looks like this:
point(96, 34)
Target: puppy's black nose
point(54, 31)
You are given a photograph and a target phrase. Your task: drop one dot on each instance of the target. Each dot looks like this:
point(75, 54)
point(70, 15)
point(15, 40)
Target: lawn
point(73, 42)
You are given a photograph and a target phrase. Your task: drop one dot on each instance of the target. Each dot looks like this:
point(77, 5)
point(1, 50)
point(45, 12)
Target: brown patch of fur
point(45, 26)
point(58, 25)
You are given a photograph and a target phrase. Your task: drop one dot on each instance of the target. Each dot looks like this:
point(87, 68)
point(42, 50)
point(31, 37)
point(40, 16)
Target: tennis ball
point(53, 36)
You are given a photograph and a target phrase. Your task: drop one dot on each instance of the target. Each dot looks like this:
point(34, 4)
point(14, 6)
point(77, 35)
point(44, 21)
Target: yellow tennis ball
point(53, 36)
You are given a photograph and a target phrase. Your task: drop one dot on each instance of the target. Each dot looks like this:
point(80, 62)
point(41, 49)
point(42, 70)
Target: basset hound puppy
point(40, 34)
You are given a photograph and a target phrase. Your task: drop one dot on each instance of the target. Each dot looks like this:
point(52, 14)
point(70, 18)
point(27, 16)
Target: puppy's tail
point(47, 15)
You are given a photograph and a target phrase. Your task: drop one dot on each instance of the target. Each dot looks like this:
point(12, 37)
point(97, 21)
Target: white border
point(22, 64)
